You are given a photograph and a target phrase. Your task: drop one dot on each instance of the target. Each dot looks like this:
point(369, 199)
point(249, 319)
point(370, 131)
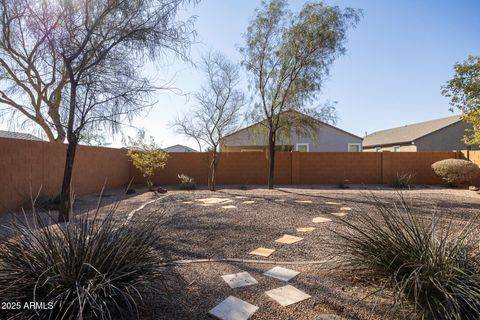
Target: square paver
point(339, 214)
point(321, 219)
point(238, 280)
point(334, 203)
point(345, 208)
point(303, 201)
point(281, 273)
point(263, 252)
point(306, 229)
point(215, 200)
point(248, 202)
point(288, 239)
point(287, 295)
point(229, 207)
point(233, 309)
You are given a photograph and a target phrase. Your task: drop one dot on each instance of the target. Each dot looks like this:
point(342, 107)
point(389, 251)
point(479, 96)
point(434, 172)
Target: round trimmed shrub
point(456, 172)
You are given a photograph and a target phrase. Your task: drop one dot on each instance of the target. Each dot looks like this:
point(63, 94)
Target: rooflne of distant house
point(18, 135)
point(434, 135)
point(179, 148)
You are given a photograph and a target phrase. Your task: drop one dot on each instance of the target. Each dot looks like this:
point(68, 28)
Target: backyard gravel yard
point(230, 223)
point(227, 225)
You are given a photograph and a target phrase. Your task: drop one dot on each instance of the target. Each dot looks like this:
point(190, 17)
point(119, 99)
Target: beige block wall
point(403, 148)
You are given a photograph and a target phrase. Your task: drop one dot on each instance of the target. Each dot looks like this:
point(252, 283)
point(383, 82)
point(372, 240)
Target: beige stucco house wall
point(326, 138)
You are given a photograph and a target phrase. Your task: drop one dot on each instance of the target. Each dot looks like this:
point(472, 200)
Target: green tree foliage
point(464, 93)
point(147, 157)
point(288, 57)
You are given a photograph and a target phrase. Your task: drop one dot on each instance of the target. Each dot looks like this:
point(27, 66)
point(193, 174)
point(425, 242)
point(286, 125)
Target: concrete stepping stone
point(320, 219)
point(288, 239)
point(238, 280)
point(287, 295)
point(334, 203)
point(215, 200)
point(345, 208)
point(329, 317)
point(263, 252)
point(303, 201)
point(248, 202)
point(339, 214)
point(281, 273)
point(233, 309)
point(229, 207)
point(306, 229)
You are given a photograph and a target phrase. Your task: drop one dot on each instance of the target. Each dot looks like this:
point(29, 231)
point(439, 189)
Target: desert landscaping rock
point(281, 273)
point(233, 309)
point(229, 207)
point(288, 239)
point(287, 295)
point(345, 208)
point(339, 214)
point(306, 229)
point(238, 280)
point(303, 201)
point(473, 188)
point(263, 252)
point(248, 202)
point(320, 220)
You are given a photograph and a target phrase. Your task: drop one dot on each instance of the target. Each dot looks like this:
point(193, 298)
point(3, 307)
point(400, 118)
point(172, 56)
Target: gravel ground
point(195, 231)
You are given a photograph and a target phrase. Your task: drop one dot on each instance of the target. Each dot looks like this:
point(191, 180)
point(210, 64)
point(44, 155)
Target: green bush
point(456, 172)
point(427, 262)
point(186, 183)
point(88, 268)
point(403, 181)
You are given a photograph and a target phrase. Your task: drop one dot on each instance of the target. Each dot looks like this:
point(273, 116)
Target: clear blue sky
point(397, 59)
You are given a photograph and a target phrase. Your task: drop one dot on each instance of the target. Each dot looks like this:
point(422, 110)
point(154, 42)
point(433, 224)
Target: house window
point(378, 149)
point(302, 147)
point(396, 149)
point(354, 147)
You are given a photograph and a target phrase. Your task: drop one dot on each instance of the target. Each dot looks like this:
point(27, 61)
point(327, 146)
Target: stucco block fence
point(26, 166)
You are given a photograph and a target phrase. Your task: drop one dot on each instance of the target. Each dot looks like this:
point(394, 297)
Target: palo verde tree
point(218, 108)
point(72, 66)
point(287, 57)
point(464, 93)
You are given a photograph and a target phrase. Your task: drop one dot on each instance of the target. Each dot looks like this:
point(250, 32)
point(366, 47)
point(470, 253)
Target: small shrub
point(344, 184)
point(186, 183)
point(456, 172)
point(85, 269)
point(435, 268)
point(403, 181)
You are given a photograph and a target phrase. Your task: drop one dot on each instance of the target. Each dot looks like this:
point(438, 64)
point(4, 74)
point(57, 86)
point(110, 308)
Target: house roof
point(295, 111)
point(18, 135)
point(176, 146)
point(408, 133)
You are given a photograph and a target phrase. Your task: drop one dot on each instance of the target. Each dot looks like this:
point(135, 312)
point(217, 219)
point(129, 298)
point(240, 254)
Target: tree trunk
point(65, 197)
point(271, 158)
point(213, 167)
point(65, 205)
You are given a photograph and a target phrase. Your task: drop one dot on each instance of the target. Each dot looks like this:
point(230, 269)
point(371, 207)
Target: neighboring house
point(18, 135)
point(179, 148)
point(326, 138)
point(443, 134)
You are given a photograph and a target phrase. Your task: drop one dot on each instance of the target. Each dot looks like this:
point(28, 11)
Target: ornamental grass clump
point(92, 267)
point(431, 263)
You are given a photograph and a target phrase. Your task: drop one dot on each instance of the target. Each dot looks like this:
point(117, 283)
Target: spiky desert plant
point(92, 267)
point(431, 263)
